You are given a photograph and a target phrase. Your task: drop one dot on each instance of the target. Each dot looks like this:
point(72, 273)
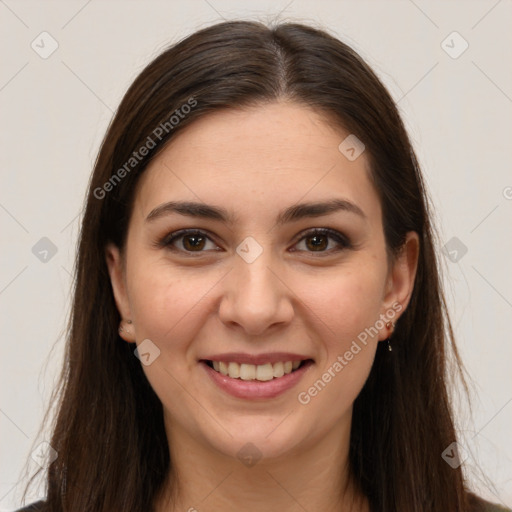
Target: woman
point(258, 320)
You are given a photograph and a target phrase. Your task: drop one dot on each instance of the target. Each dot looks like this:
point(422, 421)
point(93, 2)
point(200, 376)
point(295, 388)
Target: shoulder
point(478, 504)
point(34, 507)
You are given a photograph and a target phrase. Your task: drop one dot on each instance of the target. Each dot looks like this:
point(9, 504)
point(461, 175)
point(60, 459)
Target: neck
point(316, 477)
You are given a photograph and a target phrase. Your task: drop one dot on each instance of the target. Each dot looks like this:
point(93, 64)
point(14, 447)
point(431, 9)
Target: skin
point(292, 298)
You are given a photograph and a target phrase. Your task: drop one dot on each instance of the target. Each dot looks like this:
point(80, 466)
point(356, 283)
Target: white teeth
point(264, 372)
point(261, 372)
point(234, 370)
point(223, 368)
point(247, 371)
point(278, 370)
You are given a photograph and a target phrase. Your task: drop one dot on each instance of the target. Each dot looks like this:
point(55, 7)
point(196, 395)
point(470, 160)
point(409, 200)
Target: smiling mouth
point(260, 372)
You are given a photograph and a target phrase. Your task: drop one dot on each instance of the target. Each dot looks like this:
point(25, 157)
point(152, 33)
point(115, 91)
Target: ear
point(400, 282)
point(115, 264)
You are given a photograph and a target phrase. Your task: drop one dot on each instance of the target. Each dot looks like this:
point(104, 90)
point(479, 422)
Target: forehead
point(257, 159)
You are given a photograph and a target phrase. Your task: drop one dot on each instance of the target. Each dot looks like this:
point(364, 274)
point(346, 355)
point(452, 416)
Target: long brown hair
point(109, 431)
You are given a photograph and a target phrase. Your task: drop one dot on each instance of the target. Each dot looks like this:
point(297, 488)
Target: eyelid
point(168, 239)
point(341, 239)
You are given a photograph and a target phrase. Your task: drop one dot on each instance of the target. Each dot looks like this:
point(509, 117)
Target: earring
point(121, 329)
point(391, 326)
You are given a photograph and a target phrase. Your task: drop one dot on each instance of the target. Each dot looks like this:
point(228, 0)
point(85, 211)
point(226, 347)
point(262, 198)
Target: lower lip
point(253, 389)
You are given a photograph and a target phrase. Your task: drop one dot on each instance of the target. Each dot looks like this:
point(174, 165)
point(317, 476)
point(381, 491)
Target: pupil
point(196, 244)
point(318, 244)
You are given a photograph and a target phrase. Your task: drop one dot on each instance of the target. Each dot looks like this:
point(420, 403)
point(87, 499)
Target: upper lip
point(256, 359)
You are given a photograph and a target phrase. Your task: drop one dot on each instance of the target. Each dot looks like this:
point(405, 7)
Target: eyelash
point(341, 239)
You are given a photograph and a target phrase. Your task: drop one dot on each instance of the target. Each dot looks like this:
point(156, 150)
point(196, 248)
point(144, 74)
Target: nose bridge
point(256, 298)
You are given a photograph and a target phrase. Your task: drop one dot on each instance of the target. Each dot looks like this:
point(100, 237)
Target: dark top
point(477, 505)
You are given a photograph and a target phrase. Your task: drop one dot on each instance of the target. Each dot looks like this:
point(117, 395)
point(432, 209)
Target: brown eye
point(188, 241)
point(193, 242)
point(317, 240)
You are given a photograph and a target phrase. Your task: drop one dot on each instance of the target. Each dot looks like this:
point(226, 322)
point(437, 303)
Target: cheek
point(348, 306)
point(165, 303)
point(346, 302)
point(169, 310)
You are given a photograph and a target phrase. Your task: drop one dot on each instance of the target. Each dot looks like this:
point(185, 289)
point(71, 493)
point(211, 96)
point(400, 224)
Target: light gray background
point(56, 110)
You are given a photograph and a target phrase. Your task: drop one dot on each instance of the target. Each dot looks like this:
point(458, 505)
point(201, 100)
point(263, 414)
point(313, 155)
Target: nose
point(256, 297)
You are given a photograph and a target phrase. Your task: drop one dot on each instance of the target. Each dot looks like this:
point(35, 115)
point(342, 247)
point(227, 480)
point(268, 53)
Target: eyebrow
point(290, 214)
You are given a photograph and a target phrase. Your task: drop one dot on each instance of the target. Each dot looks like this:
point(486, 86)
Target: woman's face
point(257, 285)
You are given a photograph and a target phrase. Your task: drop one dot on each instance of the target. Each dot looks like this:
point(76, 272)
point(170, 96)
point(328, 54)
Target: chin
point(257, 441)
